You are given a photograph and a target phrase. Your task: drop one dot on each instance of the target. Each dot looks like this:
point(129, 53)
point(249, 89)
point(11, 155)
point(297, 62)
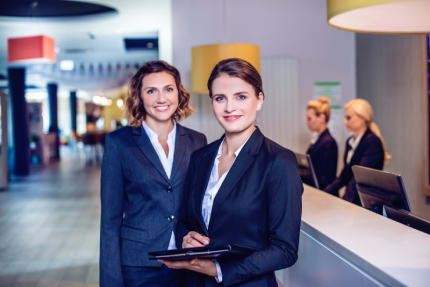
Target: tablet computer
point(207, 252)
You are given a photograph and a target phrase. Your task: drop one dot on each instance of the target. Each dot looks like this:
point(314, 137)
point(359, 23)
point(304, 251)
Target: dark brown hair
point(135, 110)
point(238, 68)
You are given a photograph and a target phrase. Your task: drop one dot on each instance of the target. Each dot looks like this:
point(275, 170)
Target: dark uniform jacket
point(324, 158)
point(134, 184)
point(258, 205)
point(369, 153)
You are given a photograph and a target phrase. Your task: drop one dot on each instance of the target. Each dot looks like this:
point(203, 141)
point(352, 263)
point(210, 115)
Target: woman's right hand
point(194, 239)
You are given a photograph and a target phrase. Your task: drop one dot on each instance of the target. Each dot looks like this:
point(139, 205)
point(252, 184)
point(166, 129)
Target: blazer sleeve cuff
point(218, 278)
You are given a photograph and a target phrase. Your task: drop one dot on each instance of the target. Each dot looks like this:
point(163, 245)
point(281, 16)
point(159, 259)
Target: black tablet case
point(206, 252)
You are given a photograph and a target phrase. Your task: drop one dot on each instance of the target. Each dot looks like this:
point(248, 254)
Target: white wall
point(389, 76)
point(282, 28)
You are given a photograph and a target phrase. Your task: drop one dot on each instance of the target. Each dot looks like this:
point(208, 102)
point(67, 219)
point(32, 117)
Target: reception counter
point(342, 244)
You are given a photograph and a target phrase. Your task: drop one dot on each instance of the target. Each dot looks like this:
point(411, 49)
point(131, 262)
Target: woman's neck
point(233, 141)
point(162, 129)
point(322, 129)
point(360, 132)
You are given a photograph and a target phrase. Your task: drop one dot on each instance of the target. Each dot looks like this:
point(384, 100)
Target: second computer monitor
point(306, 170)
point(376, 187)
point(406, 218)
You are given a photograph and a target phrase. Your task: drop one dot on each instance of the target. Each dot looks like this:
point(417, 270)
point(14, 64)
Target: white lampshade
point(380, 16)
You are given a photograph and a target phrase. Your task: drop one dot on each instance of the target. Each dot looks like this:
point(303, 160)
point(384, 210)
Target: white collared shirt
point(211, 191)
point(166, 161)
point(353, 142)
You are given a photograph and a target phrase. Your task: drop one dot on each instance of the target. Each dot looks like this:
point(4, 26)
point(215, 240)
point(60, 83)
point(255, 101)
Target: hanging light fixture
point(35, 49)
point(380, 16)
point(204, 59)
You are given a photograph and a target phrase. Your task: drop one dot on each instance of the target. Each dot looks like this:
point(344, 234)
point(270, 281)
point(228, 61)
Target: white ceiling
point(135, 18)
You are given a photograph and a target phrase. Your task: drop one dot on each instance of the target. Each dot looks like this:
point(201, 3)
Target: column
point(53, 113)
point(73, 110)
point(3, 142)
point(20, 153)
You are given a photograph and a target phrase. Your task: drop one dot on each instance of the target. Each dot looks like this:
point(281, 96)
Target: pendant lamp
point(380, 16)
point(35, 49)
point(204, 59)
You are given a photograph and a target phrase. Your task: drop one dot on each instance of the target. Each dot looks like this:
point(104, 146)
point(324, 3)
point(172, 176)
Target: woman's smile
point(162, 108)
point(231, 118)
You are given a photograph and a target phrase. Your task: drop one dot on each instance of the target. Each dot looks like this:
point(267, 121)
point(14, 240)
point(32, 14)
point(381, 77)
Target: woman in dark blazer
point(323, 151)
point(143, 179)
point(241, 189)
point(365, 148)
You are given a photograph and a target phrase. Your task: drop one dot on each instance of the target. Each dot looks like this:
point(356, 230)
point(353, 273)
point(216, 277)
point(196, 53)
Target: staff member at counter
point(323, 151)
point(366, 148)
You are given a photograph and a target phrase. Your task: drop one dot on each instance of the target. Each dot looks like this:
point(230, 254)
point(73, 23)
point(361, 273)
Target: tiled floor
point(49, 227)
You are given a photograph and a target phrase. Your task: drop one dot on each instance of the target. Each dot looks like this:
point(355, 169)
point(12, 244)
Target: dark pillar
point(73, 110)
point(20, 153)
point(53, 113)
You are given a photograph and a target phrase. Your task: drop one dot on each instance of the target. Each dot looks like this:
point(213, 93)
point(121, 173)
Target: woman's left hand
point(204, 266)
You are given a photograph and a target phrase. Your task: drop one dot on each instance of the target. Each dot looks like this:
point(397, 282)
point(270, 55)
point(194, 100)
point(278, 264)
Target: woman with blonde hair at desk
point(323, 151)
point(365, 148)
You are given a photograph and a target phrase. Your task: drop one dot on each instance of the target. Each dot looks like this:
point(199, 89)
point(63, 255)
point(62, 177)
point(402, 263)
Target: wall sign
point(331, 90)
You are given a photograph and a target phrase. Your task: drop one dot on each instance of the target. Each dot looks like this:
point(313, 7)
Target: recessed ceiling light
point(67, 65)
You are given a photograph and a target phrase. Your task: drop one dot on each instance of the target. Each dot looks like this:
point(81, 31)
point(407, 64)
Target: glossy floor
point(49, 226)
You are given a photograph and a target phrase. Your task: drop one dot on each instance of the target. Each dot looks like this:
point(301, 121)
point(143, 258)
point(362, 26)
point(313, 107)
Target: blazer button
point(172, 217)
point(169, 189)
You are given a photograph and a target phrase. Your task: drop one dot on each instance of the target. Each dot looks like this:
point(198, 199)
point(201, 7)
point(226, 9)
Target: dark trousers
point(152, 276)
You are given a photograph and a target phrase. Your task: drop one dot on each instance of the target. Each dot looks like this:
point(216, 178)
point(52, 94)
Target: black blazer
point(258, 205)
point(324, 158)
point(134, 183)
point(369, 153)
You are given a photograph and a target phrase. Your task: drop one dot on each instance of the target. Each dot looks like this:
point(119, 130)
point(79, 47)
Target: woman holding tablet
point(323, 151)
point(241, 189)
point(365, 147)
point(143, 179)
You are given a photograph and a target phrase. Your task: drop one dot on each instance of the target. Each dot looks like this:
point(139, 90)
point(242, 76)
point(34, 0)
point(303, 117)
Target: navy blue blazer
point(324, 158)
point(369, 153)
point(134, 184)
point(258, 205)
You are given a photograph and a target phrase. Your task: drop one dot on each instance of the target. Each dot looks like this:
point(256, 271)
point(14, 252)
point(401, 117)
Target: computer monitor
point(406, 218)
point(306, 170)
point(376, 187)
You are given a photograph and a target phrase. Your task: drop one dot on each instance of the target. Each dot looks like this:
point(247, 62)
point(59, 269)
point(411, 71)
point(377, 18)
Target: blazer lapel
point(358, 148)
point(145, 145)
point(179, 149)
point(243, 161)
point(204, 173)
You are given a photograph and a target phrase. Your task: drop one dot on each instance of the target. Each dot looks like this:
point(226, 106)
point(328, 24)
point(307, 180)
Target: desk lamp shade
point(35, 49)
point(204, 59)
point(380, 16)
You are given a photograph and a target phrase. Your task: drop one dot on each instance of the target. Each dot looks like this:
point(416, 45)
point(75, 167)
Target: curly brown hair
point(135, 110)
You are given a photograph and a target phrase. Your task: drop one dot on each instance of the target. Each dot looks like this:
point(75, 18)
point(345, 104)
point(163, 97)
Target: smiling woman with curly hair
point(143, 179)
point(136, 112)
